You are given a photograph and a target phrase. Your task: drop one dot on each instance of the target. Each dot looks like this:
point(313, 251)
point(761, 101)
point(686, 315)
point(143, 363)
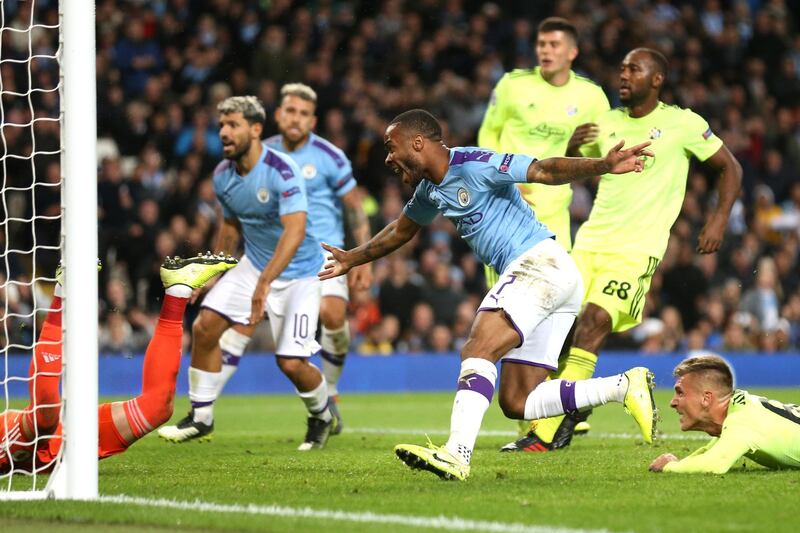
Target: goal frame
point(75, 475)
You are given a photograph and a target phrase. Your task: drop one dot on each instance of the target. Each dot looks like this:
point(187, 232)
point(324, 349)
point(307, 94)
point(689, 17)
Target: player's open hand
point(711, 236)
point(621, 161)
point(336, 264)
point(661, 461)
point(583, 134)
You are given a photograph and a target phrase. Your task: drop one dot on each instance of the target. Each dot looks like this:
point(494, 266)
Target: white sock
point(335, 343)
point(232, 344)
point(181, 291)
point(316, 401)
point(202, 393)
point(332, 371)
point(558, 396)
point(475, 390)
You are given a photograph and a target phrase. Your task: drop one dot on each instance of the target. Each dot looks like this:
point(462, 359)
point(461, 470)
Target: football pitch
point(250, 478)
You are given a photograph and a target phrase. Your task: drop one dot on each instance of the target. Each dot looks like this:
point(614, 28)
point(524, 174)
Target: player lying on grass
point(741, 424)
point(35, 432)
point(527, 314)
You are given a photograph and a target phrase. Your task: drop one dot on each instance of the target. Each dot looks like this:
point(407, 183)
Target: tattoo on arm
point(389, 239)
point(560, 170)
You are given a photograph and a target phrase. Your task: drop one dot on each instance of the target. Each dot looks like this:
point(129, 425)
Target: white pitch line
point(449, 523)
point(509, 433)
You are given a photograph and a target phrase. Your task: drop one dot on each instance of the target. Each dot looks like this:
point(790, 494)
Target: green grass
point(598, 483)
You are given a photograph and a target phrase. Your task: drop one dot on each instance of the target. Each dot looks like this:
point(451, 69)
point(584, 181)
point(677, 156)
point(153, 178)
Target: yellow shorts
point(616, 282)
point(558, 223)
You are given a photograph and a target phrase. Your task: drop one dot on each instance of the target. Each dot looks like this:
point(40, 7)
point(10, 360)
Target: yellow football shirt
point(634, 212)
point(527, 115)
point(766, 431)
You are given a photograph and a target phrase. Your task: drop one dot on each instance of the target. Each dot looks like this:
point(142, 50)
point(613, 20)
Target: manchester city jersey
point(273, 188)
point(328, 176)
point(478, 194)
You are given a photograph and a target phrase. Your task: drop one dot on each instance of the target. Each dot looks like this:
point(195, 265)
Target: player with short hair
point(619, 248)
point(741, 424)
point(536, 111)
point(546, 111)
point(330, 187)
point(526, 316)
point(264, 203)
point(30, 439)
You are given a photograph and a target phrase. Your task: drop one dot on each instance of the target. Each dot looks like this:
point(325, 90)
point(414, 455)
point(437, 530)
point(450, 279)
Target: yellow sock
point(579, 364)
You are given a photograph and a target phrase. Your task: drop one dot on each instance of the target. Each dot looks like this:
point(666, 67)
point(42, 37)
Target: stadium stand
point(163, 65)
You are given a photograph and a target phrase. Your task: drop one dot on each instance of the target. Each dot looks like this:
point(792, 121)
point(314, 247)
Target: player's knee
point(512, 405)
point(593, 325)
point(290, 365)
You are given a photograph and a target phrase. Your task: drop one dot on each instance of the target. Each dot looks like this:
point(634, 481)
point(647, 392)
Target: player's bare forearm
point(357, 220)
point(560, 170)
point(389, 239)
point(730, 180)
point(294, 231)
point(728, 186)
point(228, 237)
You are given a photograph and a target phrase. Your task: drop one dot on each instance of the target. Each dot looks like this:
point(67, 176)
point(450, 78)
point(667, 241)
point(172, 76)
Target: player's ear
point(418, 142)
point(658, 80)
point(573, 52)
point(313, 122)
point(256, 128)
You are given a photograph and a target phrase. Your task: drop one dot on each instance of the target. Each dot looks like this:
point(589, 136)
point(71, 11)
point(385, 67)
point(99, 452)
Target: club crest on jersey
point(309, 171)
point(262, 195)
point(572, 110)
point(655, 133)
point(463, 197)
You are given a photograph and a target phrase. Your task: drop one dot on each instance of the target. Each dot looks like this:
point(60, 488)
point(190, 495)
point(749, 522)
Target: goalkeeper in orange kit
point(31, 438)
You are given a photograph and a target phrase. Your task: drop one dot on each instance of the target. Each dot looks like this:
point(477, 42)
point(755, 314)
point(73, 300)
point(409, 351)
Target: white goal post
point(75, 475)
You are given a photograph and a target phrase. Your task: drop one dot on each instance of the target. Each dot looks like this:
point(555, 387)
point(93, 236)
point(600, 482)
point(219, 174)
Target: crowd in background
point(163, 65)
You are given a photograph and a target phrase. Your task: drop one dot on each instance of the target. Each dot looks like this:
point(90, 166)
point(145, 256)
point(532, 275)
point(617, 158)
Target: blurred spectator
point(163, 66)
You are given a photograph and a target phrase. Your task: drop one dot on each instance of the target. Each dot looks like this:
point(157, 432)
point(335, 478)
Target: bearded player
point(619, 248)
point(331, 192)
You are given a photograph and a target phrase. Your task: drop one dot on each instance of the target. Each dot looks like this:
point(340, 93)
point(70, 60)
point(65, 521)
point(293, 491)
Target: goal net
point(48, 202)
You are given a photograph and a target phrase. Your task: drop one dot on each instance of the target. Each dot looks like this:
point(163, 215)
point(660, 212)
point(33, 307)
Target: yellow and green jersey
point(634, 212)
point(527, 115)
point(766, 431)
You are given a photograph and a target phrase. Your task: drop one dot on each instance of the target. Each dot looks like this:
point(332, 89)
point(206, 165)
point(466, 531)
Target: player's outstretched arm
point(717, 457)
point(389, 239)
point(728, 186)
point(560, 170)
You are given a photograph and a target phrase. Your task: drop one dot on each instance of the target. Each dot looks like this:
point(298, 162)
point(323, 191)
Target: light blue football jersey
point(273, 188)
point(329, 176)
point(479, 195)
